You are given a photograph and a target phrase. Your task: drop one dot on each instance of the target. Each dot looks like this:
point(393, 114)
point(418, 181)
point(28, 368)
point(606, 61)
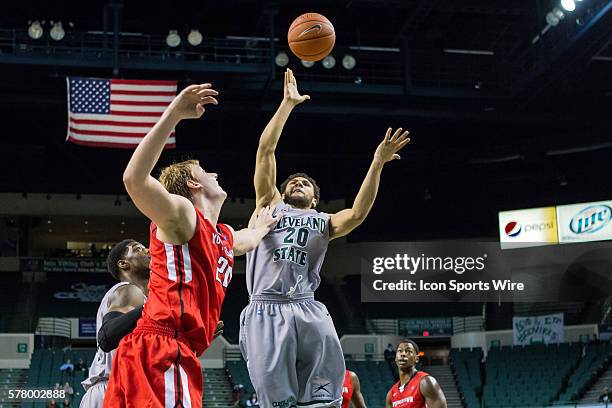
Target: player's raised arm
point(348, 219)
point(266, 192)
point(261, 223)
point(152, 199)
point(434, 396)
point(357, 398)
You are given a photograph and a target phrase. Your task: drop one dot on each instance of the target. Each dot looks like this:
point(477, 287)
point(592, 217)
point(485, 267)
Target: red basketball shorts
point(153, 369)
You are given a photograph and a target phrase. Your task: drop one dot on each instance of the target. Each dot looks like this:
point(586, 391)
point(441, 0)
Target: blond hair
point(174, 177)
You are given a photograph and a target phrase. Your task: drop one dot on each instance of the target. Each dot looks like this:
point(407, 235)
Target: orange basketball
point(311, 37)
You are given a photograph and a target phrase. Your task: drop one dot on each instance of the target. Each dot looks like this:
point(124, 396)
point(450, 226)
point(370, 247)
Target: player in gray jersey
point(128, 262)
point(288, 339)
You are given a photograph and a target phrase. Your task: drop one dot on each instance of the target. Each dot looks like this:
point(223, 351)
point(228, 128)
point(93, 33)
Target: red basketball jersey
point(409, 396)
point(347, 390)
point(188, 282)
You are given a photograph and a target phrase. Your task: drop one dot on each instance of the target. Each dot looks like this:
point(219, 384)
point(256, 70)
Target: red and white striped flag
point(116, 112)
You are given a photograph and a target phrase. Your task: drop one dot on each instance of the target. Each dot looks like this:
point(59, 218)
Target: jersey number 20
point(301, 238)
point(224, 272)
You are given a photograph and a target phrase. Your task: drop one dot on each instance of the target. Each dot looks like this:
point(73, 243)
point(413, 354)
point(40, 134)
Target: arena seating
point(466, 365)
point(44, 371)
point(11, 378)
point(217, 392)
point(534, 375)
point(595, 360)
point(375, 379)
point(531, 375)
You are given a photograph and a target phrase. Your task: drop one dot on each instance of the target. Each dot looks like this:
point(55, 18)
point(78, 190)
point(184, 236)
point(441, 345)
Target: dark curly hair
point(317, 190)
point(116, 254)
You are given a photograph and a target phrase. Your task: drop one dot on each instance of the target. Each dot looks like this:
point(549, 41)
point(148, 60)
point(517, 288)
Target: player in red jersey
point(191, 266)
point(351, 391)
point(415, 389)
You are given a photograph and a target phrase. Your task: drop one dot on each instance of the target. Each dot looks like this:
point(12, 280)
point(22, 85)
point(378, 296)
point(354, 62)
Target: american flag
point(116, 112)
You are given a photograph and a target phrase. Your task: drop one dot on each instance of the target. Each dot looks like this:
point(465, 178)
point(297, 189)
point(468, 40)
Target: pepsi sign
point(527, 228)
point(585, 222)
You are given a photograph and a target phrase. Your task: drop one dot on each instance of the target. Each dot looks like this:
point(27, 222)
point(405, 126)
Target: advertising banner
point(585, 222)
point(528, 228)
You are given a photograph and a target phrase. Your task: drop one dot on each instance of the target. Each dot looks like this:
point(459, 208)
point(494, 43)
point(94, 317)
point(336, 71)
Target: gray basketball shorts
point(94, 396)
point(292, 352)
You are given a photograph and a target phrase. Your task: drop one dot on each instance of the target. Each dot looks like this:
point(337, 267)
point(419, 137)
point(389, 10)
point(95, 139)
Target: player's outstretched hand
point(189, 104)
point(218, 329)
point(266, 220)
point(291, 94)
point(391, 144)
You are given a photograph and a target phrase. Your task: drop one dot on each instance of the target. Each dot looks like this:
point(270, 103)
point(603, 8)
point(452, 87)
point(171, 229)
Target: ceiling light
point(173, 39)
point(568, 5)
point(558, 13)
point(282, 59)
point(329, 62)
point(551, 19)
point(35, 30)
point(195, 38)
point(349, 62)
point(57, 31)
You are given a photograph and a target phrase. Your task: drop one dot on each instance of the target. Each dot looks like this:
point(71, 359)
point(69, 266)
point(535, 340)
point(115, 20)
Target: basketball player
point(288, 339)
point(191, 266)
point(351, 391)
point(415, 389)
point(118, 313)
point(128, 262)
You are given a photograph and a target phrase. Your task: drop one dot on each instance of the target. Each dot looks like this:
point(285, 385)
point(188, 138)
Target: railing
point(136, 45)
point(382, 326)
point(468, 324)
point(52, 326)
point(232, 354)
point(136, 50)
point(528, 309)
point(412, 327)
point(374, 65)
point(364, 357)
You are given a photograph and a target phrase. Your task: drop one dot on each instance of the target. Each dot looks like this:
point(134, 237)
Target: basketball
point(311, 37)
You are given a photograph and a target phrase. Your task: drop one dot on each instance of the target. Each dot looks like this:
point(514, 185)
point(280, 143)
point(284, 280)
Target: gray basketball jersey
point(288, 260)
point(102, 363)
